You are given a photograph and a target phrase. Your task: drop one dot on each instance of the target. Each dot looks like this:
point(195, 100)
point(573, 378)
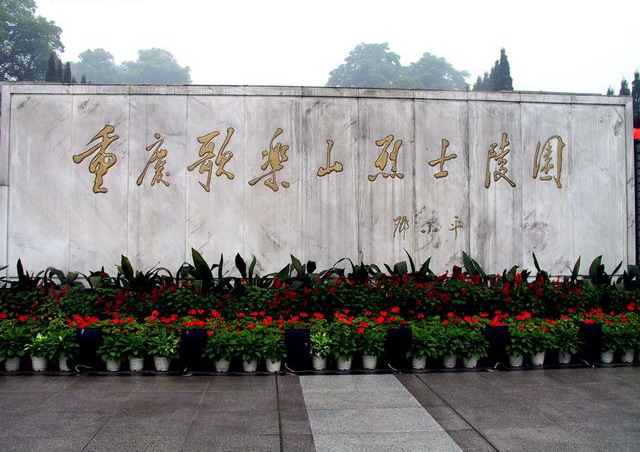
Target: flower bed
point(200, 316)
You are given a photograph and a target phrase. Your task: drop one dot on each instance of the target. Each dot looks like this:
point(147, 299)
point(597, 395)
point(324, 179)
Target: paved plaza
point(554, 410)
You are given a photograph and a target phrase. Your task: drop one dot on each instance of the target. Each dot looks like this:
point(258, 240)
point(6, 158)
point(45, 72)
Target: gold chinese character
point(546, 152)
point(337, 167)
point(500, 160)
point(275, 156)
point(102, 161)
point(430, 228)
point(158, 157)
point(443, 158)
point(207, 153)
point(457, 224)
point(385, 156)
point(401, 224)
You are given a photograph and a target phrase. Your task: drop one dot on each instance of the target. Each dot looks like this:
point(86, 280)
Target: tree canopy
point(153, 66)
point(375, 66)
point(156, 66)
point(26, 41)
point(499, 79)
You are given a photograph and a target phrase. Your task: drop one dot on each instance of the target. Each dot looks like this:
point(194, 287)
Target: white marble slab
point(495, 205)
point(40, 148)
point(97, 222)
point(441, 183)
point(386, 177)
point(157, 196)
point(329, 180)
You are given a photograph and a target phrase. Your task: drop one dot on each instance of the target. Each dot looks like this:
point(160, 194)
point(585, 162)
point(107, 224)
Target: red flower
point(395, 309)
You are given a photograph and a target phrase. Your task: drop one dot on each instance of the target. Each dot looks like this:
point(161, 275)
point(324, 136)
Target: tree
point(83, 80)
point(99, 67)
point(375, 66)
point(156, 66)
point(624, 88)
point(499, 79)
point(66, 78)
point(610, 91)
point(59, 71)
point(635, 96)
point(26, 41)
point(433, 72)
point(368, 65)
point(50, 75)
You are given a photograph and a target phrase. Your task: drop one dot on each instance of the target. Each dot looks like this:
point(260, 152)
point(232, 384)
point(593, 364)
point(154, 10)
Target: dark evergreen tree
point(635, 95)
point(503, 80)
point(83, 80)
point(624, 88)
point(478, 85)
point(610, 91)
point(50, 76)
point(59, 70)
point(66, 77)
point(73, 80)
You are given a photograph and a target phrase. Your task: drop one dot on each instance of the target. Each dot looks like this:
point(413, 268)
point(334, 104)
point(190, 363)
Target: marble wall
point(320, 173)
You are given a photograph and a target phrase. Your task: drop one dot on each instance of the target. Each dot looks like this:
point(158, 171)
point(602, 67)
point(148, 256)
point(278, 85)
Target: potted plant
point(344, 341)
point(473, 346)
point(249, 346)
point(42, 348)
point(618, 335)
point(221, 346)
point(134, 336)
point(163, 343)
point(423, 342)
point(320, 344)
point(14, 336)
point(273, 348)
point(565, 332)
point(449, 343)
point(113, 349)
point(371, 343)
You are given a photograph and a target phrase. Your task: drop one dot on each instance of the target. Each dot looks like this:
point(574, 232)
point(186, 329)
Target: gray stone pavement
point(554, 410)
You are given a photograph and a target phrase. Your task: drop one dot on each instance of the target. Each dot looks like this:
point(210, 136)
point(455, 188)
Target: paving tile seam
point(446, 403)
point(195, 413)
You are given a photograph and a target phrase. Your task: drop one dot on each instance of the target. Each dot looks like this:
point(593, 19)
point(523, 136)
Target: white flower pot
point(369, 362)
point(161, 363)
point(250, 366)
point(273, 366)
point(221, 365)
point(515, 360)
point(419, 363)
point(564, 357)
point(627, 355)
point(344, 363)
point(319, 363)
point(136, 364)
point(449, 361)
point(38, 363)
point(62, 363)
point(12, 364)
point(113, 365)
point(537, 359)
point(606, 357)
point(470, 363)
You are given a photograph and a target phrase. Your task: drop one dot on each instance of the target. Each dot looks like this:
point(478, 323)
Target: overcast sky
point(552, 45)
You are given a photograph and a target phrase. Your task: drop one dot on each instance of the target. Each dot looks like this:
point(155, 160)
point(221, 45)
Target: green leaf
point(311, 266)
point(252, 266)
point(126, 268)
point(241, 266)
point(594, 268)
point(400, 268)
point(424, 269)
point(297, 265)
point(411, 264)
